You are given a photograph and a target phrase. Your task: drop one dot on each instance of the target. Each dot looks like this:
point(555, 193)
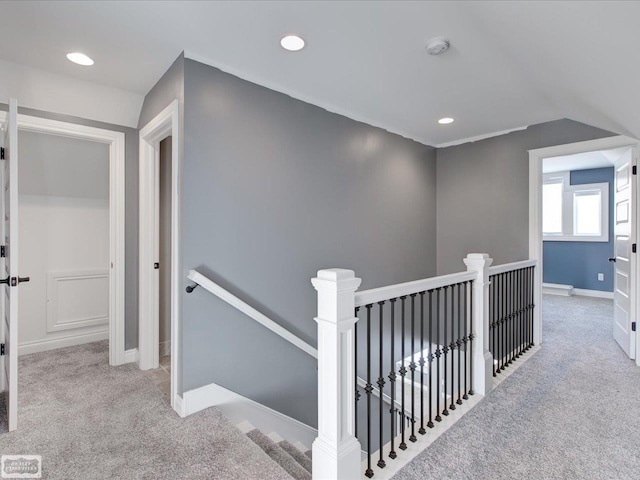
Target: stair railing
point(450, 314)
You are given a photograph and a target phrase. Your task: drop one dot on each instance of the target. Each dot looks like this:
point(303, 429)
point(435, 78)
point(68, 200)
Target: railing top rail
point(247, 309)
point(374, 295)
point(507, 267)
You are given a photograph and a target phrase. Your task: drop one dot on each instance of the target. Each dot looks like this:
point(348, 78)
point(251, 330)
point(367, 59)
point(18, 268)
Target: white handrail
point(248, 310)
point(507, 267)
point(367, 297)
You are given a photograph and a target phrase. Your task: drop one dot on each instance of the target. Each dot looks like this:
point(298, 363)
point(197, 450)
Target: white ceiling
point(511, 64)
point(582, 161)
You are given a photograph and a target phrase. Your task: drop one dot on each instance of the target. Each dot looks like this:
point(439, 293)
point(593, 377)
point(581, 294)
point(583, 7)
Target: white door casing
point(116, 142)
point(624, 234)
point(165, 124)
point(10, 268)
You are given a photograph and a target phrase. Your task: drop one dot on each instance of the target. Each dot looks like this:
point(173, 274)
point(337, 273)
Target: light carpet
point(570, 412)
point(92, 421)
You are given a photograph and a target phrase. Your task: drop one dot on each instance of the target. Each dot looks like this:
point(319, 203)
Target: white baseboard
point(178, 406)
point(165, 348)
point(238, 409)
point(131, 356)
point(558, 289)
point(61, 342)
point(592, 293)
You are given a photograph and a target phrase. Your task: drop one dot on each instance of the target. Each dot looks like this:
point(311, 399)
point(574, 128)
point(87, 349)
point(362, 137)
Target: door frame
point(165, 124)
point(536, 156)
point(116, 142)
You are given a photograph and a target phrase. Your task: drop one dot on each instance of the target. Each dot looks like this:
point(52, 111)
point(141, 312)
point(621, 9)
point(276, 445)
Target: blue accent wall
point(578, 263)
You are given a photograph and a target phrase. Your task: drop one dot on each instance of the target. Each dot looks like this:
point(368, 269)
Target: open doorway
point(55, 197)
point(158, 249)
point(583, 226)
point(162, 375)
point(63, 205)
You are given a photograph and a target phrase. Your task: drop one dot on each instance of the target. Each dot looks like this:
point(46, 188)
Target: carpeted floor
point(570, 412)
point(91, 421)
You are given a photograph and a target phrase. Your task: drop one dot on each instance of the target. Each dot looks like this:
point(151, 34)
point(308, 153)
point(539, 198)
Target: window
point(574, 212)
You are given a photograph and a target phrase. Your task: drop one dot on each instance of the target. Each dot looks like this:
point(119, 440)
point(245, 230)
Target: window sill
point(575, 239)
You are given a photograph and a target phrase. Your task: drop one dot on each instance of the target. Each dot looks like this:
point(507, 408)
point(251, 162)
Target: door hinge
point(156, 266)
point(1, 349)
point(634, 247)
point(1, 153)
point(3, 251)
point(634, 170)
point(633, 326)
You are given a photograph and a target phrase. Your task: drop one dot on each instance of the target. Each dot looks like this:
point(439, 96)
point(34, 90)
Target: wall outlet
point(601, 277)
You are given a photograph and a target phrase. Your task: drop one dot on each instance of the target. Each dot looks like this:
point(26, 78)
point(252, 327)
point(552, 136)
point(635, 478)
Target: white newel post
point(482, 358)
point(336, 451)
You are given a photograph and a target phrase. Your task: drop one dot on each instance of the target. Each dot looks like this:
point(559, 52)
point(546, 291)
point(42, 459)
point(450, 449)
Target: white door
point(624, 259)
point(9, 273)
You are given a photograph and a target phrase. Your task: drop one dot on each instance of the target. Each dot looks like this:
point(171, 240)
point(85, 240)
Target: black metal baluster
point(422, 431)
point(459, 344)
point(494, 317)
point(513, 315)
point(381, 382)
point(369, 389)
point(452, 405)
point(532, 305)
point(392, 380)
point(465, 340)
point(430, 423)
point(525, 340)
point(500, 300)
point(509, 313)
point(520, 316)
point(355, 370)
point(491, 311)
point(471, 392)
point(403, 373)
point(412, 367)
point(522, 310)
point(437, 354)
point(504, 321)
point(517, 317)
point(445, 349)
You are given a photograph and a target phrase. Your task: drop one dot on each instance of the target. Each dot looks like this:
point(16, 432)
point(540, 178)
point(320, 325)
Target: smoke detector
point(437, 46)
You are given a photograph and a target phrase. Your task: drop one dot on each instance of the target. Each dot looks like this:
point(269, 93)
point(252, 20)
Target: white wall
point(60, 94)
point(68, 236)
point(64, 241)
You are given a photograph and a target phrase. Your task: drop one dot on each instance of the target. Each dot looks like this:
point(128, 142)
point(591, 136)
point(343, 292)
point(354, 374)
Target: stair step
point(308, 454)
point(297, 455)
point(279, 455)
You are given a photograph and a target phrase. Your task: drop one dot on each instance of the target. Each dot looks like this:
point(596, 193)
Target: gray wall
point(483, 192)
point(57, 166)
point(578, 263)
point(131, 214)
point(278, 189)
point(165, 240)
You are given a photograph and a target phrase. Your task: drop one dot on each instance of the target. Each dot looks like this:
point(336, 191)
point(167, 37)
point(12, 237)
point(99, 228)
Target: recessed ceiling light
point(445, 121)
point(293, 43)
point(80, 59)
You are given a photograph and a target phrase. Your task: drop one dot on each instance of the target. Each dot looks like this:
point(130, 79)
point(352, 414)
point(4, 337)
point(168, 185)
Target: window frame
point(568, 221)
